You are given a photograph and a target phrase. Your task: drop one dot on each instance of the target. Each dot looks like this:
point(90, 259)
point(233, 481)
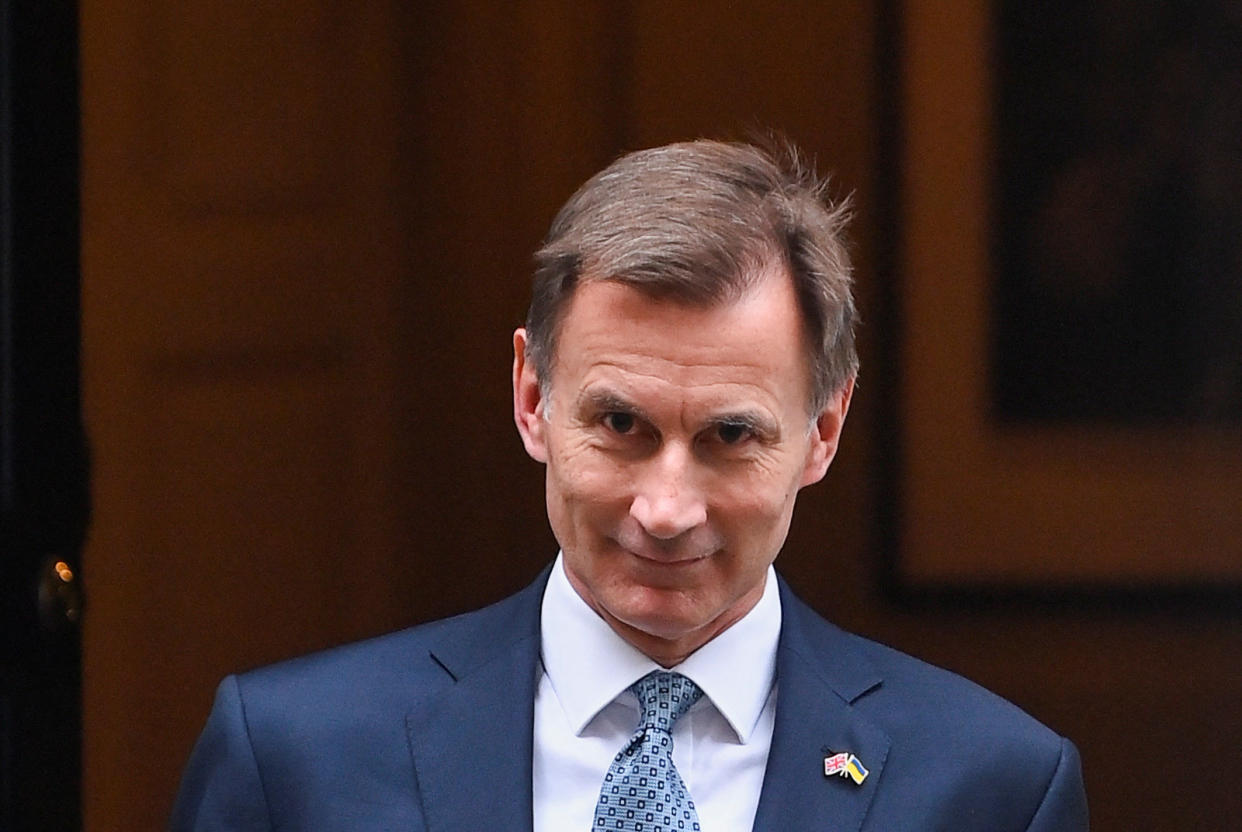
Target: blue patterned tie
point(642, 790)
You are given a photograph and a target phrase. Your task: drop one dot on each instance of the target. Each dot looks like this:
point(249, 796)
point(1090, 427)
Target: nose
point(667, 502)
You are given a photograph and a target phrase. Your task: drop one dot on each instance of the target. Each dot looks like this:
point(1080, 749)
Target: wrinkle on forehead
point(743, 353)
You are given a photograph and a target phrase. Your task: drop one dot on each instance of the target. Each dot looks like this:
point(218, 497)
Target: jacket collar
point(472, 745)
point(820, 675)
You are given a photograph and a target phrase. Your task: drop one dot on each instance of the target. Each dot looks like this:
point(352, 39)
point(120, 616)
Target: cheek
point(761, 488)
point(755, 511)
point(583, 477)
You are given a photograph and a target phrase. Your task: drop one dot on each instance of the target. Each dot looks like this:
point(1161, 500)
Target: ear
point(825, 435)
point(528, 404)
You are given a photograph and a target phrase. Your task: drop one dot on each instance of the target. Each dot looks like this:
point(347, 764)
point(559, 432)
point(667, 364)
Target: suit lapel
point(819, 677)
point(472, 744)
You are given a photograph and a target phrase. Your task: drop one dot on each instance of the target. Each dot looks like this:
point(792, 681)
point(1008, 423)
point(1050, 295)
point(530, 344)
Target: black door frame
point(43, 462)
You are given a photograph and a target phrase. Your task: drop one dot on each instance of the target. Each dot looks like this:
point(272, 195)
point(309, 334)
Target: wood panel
point(242, 263)
point(248, 86)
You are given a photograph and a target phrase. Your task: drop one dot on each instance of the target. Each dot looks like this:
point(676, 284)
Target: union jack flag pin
point(845, 764)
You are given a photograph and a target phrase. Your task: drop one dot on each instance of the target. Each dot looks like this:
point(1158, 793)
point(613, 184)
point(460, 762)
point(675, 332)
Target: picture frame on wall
point(1068, 410)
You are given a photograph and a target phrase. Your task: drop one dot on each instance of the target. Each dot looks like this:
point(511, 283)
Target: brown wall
point(307, 232)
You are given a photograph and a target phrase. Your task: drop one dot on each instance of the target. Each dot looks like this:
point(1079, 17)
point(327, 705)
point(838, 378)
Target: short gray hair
point(698, 222)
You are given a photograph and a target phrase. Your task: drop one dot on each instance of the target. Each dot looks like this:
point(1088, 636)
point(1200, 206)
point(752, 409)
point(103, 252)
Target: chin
point(653, 612)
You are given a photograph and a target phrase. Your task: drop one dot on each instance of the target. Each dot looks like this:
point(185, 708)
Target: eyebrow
point(607, 401)
point(756, 423)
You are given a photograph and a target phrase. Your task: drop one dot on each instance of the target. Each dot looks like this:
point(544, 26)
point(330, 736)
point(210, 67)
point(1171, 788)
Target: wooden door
point(242, 262)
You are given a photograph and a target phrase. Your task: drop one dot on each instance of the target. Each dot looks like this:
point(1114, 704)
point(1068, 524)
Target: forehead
point(614, 333)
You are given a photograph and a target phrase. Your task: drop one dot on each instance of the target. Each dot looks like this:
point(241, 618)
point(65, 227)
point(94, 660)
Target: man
point(686, 368)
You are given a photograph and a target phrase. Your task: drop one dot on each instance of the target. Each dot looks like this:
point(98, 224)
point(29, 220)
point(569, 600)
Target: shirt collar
point(589, 665)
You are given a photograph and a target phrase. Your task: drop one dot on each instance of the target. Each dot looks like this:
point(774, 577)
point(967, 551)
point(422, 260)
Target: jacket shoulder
point(915, 694)
point(952, 742)
point(902, 693)
point(387, 671)
point(929, 713)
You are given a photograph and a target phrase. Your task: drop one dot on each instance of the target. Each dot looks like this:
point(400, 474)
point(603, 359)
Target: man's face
point(676, 439)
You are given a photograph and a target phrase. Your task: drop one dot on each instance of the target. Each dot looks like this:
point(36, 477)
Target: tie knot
point(663, 697)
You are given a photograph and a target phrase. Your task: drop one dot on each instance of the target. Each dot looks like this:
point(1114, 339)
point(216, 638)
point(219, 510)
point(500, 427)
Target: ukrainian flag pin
point(845, 764)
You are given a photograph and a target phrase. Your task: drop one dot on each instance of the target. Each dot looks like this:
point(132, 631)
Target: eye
point(619, 421)
point(732, 433)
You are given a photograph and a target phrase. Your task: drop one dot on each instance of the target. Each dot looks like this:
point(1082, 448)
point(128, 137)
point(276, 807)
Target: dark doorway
point(43, 485)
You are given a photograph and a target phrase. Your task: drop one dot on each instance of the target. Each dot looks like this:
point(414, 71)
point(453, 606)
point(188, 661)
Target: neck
point(670, 647)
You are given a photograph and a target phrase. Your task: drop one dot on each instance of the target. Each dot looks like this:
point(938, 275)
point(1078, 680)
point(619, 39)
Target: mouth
point(668, 557)
point(665, 560)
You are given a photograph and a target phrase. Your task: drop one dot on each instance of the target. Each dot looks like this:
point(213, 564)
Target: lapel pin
point(845, 764)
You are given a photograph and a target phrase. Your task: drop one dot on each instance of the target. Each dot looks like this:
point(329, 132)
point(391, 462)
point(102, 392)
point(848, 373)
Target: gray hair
point(699, 222)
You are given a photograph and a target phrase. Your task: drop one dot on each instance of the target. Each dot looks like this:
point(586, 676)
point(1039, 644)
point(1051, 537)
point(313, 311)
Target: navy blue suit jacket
point(431, 729)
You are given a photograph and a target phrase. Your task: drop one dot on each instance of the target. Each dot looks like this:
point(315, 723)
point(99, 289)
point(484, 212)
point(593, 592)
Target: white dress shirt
point(584, 712)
